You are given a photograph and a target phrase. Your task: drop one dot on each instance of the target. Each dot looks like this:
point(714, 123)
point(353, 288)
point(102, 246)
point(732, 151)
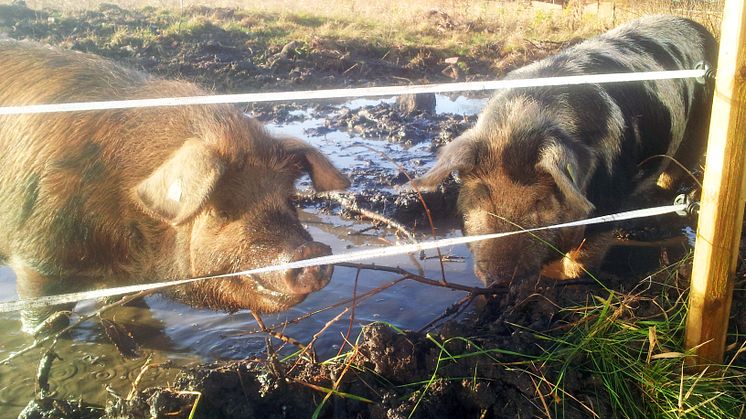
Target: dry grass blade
point(146, 366)
point(557, 389)
point(544, 405)
point(652, 342)
point(668, 355)
point(352, 314)
point(332, 391)
point(346, 368)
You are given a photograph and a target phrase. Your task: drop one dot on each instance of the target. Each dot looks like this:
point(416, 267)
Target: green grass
point(633, 365)
point(640, 365)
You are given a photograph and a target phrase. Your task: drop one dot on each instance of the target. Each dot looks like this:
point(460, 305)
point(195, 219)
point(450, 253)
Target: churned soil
point(477, 366)
point(230, 51)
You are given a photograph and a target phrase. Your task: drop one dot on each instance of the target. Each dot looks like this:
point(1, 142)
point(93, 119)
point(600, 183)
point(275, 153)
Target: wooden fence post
point(723, 197)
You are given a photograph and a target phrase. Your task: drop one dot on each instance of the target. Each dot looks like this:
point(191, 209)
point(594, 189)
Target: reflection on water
point(171, 331)
point(374, 162)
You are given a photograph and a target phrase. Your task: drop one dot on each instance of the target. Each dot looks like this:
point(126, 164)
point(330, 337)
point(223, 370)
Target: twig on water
point(424, 206)
point(316, 335)
point(352, 314)
point(454, 310)
point(348, 203)
point(299, 319)
point(419, 278)
point(284, 338)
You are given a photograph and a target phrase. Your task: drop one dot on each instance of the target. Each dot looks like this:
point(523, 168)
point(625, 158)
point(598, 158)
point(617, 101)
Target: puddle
point(174, 332)
point(372, 163)
point(184, 335)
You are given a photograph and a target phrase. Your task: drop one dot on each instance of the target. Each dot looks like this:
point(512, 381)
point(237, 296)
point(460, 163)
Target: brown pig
point(545, 155)
point(116, 197)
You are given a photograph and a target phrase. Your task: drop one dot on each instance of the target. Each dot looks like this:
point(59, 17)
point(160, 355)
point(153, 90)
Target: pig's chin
point(237, 293)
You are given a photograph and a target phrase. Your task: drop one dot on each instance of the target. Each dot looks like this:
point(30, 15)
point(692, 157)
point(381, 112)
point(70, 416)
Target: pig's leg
point(689, 154)
point(31, 284)
point(675, 174)
point(586, 258)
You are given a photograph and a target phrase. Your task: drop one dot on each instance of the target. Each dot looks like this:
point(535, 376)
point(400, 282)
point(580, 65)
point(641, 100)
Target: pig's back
point(652, 116)
point(65, 178)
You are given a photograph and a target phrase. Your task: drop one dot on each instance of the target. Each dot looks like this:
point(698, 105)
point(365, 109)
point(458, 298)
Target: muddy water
point(177, 335)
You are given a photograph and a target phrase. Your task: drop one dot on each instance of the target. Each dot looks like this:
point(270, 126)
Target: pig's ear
point(177, 189)
point(460, 155)
point(562, 164)
point(324, 175)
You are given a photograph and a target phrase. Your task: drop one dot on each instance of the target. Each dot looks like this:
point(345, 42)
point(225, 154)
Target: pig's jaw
point(254, 294)
point(233, 294)
point(266, 291)
point(259, 287)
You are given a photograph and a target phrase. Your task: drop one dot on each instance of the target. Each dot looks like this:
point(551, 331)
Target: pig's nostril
point(311, 278)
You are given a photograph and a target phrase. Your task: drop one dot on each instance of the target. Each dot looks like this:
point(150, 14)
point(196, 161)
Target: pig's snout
point(311, 278)
point(492, 273)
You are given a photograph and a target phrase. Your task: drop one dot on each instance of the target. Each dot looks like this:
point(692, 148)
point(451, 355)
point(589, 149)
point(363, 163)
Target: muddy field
point(469, 355)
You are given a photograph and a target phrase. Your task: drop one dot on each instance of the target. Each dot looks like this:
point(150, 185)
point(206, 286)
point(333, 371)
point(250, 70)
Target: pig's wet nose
point(492, 275)
point(482, 273)
point(311, 278)
point(311, 250)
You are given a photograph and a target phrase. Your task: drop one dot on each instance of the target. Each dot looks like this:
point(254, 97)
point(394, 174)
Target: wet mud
point(382, 183)
point(477, 362)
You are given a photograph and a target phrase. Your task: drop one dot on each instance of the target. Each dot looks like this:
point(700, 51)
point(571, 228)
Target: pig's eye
point(222, 215)
point(291, 204)
point(544, 203)
point(480, 191)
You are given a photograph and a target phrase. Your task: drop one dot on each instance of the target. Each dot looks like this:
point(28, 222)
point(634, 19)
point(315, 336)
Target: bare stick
point(424, 205)
point(453, 310)
point(315, 337)
point(352, 314)
point(361, 297)
point(146, 366)
point(428, 281)
point(348, 203)
point(279, 336)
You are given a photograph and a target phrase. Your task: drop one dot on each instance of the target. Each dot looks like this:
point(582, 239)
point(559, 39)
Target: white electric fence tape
point(359, 92)
point(328, 260)
point(329, 94)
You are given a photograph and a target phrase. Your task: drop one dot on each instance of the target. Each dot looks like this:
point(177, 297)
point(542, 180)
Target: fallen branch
point(419, 278)
point(282, 337)
point(454, 310)
point(298, 319)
